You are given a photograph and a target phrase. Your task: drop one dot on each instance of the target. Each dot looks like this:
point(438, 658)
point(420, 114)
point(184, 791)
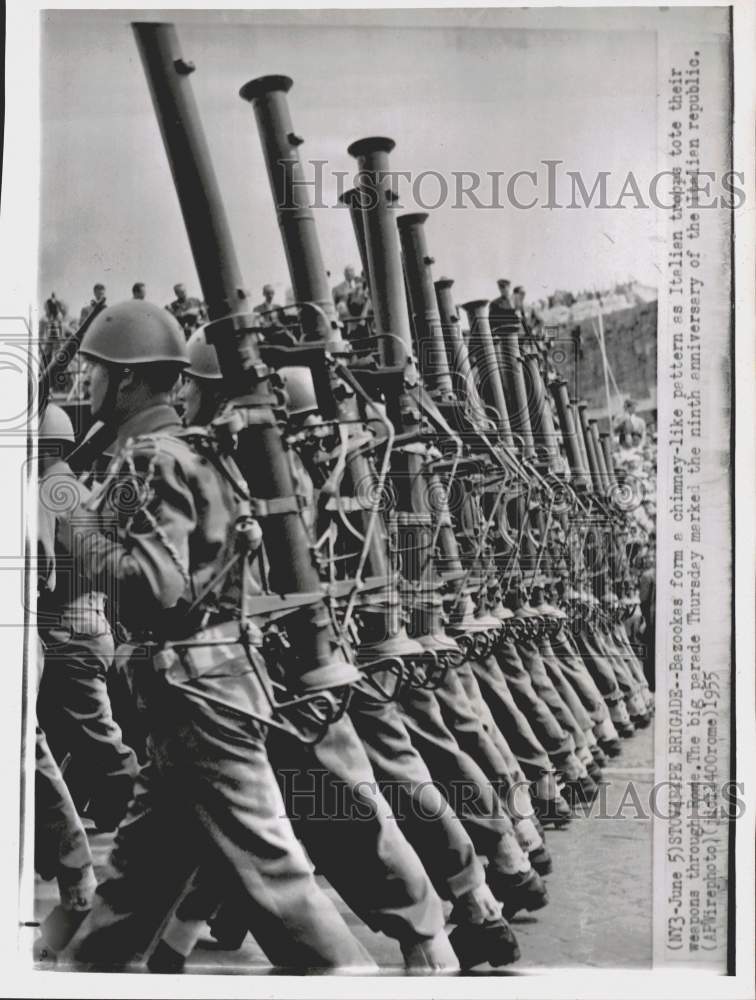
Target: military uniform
point(73, 704)
point(208, 790)
point(61, 847)
point(334, 800)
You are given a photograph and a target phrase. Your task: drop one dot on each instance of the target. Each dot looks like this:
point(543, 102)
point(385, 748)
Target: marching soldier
point(208, 789)
point(73, 704)
point(61, 848)
point(423, 814)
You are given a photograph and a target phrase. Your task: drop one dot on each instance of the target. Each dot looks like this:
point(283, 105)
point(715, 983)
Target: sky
point(494, 90)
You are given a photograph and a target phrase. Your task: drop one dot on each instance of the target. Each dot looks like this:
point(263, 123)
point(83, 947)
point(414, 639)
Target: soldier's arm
point(144, 559)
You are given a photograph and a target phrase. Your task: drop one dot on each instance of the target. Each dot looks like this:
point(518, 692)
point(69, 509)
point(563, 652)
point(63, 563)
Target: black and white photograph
point(371, 523)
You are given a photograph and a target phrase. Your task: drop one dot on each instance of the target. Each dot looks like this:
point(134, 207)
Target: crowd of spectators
point(351, 298)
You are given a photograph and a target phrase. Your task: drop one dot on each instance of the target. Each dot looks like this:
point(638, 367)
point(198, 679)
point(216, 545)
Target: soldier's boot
point(548, 803)
point(585, 755)
point(166, 960)
point(434, 956)
point(541, 860)
point(520, 891)
point(579, 787)
point(531, 841)
point(59, 926)
point(621, 719)
point(492, 942)
point(636, 707)
point(482, 934)
point(539, 827)
point(595, 773)
point(582, 791)
point(608, 738)
point(228, 928)
point(176, 944)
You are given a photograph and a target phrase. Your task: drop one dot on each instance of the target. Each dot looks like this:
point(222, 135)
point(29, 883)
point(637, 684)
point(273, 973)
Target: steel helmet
point(300, 390)
point(203, 359)
point(135, 333)
point(56, 425)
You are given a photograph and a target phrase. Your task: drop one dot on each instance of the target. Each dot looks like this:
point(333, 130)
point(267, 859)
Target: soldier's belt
point(218, 646)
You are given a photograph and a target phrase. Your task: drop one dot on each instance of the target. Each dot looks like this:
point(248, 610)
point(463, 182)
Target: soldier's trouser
point(564, 687)
point(61, 848)
point(545, 689)
point(599, 666)
point(628, 685)
point(474, 799)
point(467, 727)
point(351, 834)
point(480, 707)
point(556, 741)
point(625, 646)
point(209, 792)
point(512, 721)
point(574, 668)
point(424, 815)
point(73, 702)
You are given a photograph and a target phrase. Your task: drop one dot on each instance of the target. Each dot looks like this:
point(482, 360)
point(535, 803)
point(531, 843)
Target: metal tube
point(432, 360)
point(578, 470)
point(487, 363)
point(606, 447)
point(593, 462)
point(541, 417)
point(384, 258)
point(505, 334)
point(191, 165)
point(415, 517)
point(599, 451)
point(280, 143)
point(260, 452)
point(351, 199)
point(581, 442)
point(268, 96)
point(463, 382)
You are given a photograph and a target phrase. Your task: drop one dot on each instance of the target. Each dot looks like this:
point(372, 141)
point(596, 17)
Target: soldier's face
point(98, 380)
point(190, 395)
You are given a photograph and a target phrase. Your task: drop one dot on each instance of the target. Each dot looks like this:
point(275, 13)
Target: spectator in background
point(190, 312)
point(525, 315)
point(52, 329)
point(358, 300)
point(342, 290)
point(98, 293)
point(501, 305)
point(138, 290)
point(266, 309)
point(631, 429)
